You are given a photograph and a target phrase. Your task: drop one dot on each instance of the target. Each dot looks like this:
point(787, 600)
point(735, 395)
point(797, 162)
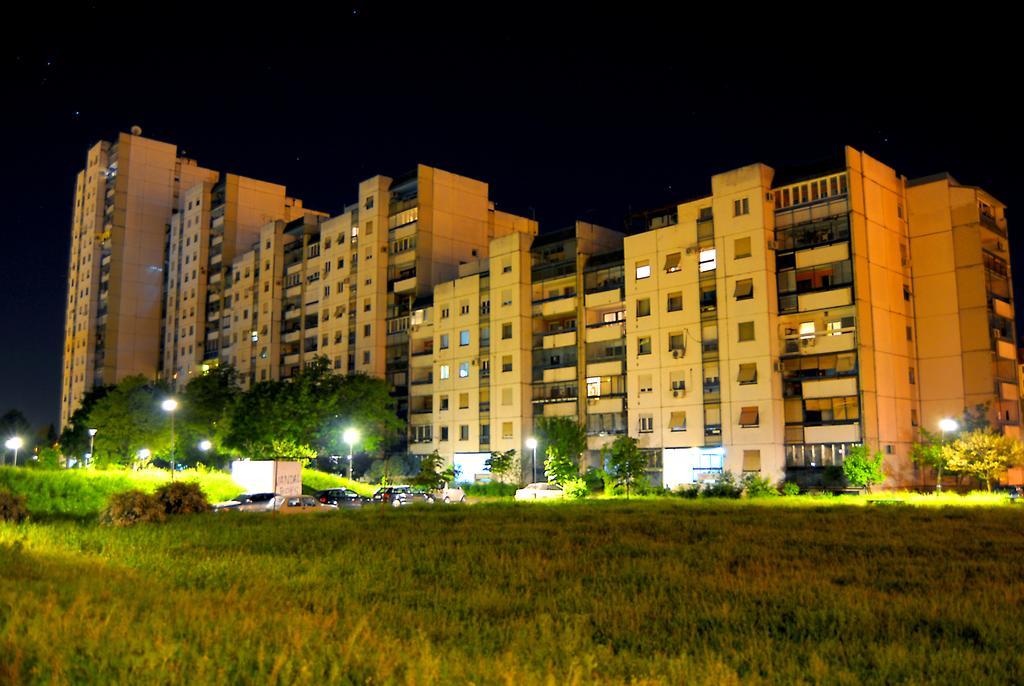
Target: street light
point(946, 426)
point(14, 443)
point(92, 438)
point(205, 445)
point(351, 436)
point(144, 453)
point(170, 405)
point(531, 443)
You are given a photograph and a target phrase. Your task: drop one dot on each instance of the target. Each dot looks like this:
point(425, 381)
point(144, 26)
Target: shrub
point(724, 487)
point(688, 491)
point(182, 497)
point(494, 489)
point(757, 487)
point(598, 481)
point(12, 507)
point(575, 489)
point(132, 507)
point(790, 488)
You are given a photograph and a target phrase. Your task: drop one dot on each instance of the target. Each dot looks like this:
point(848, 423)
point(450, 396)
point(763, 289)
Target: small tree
point(559, 468)
point(983, 454)
point(563, 435)
point(625, 461)
point(862, 470)
point(927, 452)
point(431, 474)
point(502, 464)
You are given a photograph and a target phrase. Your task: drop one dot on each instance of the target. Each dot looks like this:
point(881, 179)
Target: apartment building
point(124, 198)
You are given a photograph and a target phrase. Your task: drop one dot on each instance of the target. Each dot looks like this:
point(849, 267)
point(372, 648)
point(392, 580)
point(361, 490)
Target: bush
point(575, 489)
point(598, 481)
point(688, 491)
point(12, 507)
point(182, 497)
point(494, 489)
point(756, 487)
point(724, 487)
point(790, 488)
point(132, 507)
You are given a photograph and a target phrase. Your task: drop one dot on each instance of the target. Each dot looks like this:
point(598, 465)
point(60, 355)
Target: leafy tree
point(74, 439)
point(625, 462)
point(927, 452)
point(559, 468)
point(975, 419)
point(503, 464)
point(862, 470)
point(564, 438)
point(433, 474)
point(129, 418)
point(983, 454)
point(205, 404)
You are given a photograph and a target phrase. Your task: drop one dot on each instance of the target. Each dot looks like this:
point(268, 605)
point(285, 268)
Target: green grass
point(667, 591)
point(84, 492)
point(314, 480)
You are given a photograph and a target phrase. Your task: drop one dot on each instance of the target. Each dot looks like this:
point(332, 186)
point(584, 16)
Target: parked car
point(396, 496)
point(303, 503)
point(251, 502)
point(340, 497)
point(1015, 493)
point(449, 494)
point(540, 491)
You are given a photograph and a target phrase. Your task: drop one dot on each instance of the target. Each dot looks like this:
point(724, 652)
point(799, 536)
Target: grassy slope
point(314, 480)
point(660, 592)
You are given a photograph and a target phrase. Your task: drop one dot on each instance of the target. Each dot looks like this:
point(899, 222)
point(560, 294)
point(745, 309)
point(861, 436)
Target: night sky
point(566, 117)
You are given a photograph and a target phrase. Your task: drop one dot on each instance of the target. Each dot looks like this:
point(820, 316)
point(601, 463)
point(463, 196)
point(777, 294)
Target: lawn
point(654, 591)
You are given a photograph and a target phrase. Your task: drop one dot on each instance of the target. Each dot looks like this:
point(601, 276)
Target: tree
point(625, 461)
point(862, 470)
point(564, 438)
point(205, 403)
point(503, 464)
point(129, 418)
point(928, 452)
point(74, 439)
point(559, 468)
point(432, 473)
point(983, 454)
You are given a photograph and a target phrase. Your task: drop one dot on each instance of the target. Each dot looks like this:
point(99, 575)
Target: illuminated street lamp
point(171, 405)
point(351, 436)
point(531, 443)
point(14, 443)
point(205, 445)
point(946, 426)
point(143, 455)
point(92, 439)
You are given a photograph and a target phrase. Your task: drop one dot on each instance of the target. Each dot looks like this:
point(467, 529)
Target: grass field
point(666, 591)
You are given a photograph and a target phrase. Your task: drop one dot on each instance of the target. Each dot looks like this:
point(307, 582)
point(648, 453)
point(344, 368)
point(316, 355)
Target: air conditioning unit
point(675, 353)
point(675, 394)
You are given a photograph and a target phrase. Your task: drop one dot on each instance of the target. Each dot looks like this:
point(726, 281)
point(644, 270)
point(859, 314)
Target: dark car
point(251, 502)
point(340, 498)
point(396, 496)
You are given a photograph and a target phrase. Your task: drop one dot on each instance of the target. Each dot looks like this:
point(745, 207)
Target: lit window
point(672, 262)
point(463, 370)
point(445, 371)
point(593, 386)
point(643, 269)
point(806, 330)
point(708, 260)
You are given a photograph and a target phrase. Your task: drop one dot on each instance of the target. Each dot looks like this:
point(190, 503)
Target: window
point(747, 373)
point(506, 266)
point(643, 307)
point(749, 417)
point(464, 370)
point(367, 305)
point(678, 381)
point(366, 330)
point(741, 207)
point(910, 334)
point(444, 433)
point(744, 289)
point(646, 423)
point(506, 396)
point(906, 293)
point(675, 302)
point(506, 429)
point(646, 383)
point(463, 432)
point(444, 313)
point(464, 307)
point(445, 371)
point(485, 433)
point(643, 345)
point(746, 331)
point(593, 386)
point(506, 298)
point(708, 260)
point(369, 206)
point(463, 338)
point(676, 342)
point(643, 269)
point(443, 402)
point(366, 357)
point(751, 460)
point(506, 363)
point(443, 343)
point(506, 331)
point(912, 376)
point(672, 262)
point(677, 421)
point(913, 417)
point(741, 248)
point(806, 330)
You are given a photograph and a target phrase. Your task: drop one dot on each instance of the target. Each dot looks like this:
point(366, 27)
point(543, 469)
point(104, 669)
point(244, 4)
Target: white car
point(540, 491)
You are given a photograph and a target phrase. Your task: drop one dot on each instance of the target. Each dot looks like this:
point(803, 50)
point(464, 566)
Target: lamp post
point(531, 443)
point(92, 439)
point(14, 443)
point(351, 436)
point(170, 405)
point(946, 426)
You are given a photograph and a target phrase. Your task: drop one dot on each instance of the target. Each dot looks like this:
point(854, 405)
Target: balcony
point(605, 331)
point(554, 307)
point(291, 359)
